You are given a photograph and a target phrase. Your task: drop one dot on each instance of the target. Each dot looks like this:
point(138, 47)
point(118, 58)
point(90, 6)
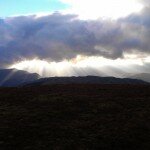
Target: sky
point(23, 7)
point(73, 38)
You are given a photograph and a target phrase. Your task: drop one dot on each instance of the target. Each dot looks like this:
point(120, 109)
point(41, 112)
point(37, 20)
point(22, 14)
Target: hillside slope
point(75, 117)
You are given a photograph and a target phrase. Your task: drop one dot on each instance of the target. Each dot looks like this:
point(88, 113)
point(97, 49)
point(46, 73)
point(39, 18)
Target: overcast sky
point(91, 36)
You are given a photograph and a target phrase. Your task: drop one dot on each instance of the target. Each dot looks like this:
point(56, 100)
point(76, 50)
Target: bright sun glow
point(93, 9)
point(80, 64)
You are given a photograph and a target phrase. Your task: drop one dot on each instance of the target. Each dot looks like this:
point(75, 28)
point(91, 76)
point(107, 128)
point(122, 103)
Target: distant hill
point(141, 76)
point(85, 80)
point(13, 77)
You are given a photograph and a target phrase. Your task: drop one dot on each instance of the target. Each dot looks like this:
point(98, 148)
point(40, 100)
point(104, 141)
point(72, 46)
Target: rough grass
point(81, 117)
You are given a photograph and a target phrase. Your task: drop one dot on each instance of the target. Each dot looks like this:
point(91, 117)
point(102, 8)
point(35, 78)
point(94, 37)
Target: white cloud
point(93, 9)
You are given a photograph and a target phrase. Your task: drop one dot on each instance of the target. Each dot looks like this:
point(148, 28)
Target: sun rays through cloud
point(83, 66)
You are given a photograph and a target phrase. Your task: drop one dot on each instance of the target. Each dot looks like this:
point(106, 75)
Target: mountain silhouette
point(141, 76)
point(85, 80)
point(13, 77)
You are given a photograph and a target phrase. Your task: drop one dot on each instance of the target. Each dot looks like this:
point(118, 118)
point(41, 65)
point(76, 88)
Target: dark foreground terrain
point(80, 117)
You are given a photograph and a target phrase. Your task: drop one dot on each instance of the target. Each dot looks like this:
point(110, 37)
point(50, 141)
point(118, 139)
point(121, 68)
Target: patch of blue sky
point(21, 7)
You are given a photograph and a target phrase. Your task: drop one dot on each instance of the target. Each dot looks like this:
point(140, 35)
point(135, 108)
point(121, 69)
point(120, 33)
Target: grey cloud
point(145, 2)
point(57, 37)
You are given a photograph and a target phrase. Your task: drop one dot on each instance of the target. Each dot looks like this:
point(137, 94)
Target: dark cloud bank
point(57, 37)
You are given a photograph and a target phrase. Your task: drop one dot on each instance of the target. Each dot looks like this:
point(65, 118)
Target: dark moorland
point(80, 117)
